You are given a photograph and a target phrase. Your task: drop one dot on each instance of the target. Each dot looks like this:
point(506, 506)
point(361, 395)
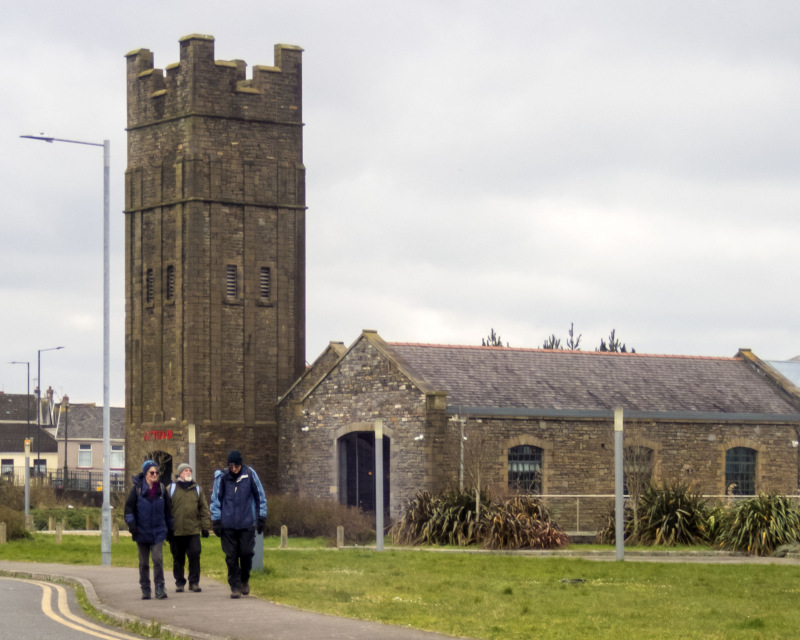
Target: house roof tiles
point(86, 422)
point(12, 439)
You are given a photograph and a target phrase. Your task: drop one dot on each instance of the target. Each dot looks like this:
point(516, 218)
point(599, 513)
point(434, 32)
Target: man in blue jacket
point(238, 512)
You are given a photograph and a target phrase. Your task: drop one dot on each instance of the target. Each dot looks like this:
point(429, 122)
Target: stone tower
point(214, 256)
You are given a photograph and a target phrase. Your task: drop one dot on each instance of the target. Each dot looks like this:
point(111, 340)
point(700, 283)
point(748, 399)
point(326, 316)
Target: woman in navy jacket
point(148, 514)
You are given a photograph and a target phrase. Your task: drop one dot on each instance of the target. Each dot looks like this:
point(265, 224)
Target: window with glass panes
point(525, 468)
point(740, 471)
point(117, 457)
point(637, 469)
point(85, 455)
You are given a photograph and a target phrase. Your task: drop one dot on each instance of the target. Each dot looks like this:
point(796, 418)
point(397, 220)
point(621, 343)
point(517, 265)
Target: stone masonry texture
point(214, 255)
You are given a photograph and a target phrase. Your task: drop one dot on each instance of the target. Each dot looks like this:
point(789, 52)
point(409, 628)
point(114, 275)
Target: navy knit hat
point(234, 457)
point(147, 464)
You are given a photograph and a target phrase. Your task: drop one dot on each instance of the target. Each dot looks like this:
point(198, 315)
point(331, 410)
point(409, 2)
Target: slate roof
point(12, 439)
point(86, 422)
point(539, 379)
point(14, 407)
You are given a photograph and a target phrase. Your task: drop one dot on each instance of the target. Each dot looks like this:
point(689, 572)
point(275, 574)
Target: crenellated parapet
point(200, 85)
point(214, 254)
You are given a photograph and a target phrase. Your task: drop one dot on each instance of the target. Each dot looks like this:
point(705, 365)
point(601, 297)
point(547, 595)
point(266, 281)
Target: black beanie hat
point(234, 457)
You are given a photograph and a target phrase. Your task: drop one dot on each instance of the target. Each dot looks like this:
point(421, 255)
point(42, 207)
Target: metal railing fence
point(79, 479)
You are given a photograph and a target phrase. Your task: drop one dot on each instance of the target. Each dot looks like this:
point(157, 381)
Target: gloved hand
point(262, 522)
point(170, 535)
point(133, 529)
point(217, 526)
point(204, 533)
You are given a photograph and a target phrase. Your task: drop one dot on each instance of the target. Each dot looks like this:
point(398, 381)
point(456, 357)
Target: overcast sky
point(471, 165)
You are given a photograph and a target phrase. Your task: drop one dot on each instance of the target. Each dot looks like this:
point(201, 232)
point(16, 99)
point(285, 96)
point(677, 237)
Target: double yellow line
point(69, 619)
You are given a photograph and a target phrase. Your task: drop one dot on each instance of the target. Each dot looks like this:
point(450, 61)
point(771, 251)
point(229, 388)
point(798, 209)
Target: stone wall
point(361, 388)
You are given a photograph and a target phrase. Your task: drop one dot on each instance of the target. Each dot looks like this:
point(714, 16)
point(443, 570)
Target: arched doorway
point(357, 470)
point(164, 462)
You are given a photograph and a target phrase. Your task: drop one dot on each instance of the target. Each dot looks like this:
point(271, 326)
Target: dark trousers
point(145, 551)
point(239, 545)
point(181, 547)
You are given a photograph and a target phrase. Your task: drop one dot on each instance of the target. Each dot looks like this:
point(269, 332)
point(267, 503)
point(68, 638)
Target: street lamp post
point(27, 444)
point(105, 540)
point(39, 408)
point(65, 404)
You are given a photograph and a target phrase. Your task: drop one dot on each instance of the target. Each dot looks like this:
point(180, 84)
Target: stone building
point(215, 340)
point(214, 254)
point(535, 420)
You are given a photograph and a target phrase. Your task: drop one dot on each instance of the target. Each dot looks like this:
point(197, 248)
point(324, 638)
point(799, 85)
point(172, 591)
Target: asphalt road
point(34, 610)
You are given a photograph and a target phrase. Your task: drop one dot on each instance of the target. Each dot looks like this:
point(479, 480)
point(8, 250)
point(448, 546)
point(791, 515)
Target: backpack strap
point(172, 489)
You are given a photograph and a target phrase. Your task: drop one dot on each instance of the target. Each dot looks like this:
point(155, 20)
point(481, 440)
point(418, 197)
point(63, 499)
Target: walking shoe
point(194, 587)
point(245, 589)
point(161, 593)
point(179, 588)
point(145, 593)
point(236, 593)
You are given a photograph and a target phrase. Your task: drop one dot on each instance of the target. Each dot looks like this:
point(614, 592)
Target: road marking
point(69, 619)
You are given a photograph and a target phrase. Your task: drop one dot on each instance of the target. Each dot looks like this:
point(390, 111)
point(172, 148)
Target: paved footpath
point(213, 615)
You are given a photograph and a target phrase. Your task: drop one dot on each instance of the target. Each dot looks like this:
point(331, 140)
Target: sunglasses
point(152, 473)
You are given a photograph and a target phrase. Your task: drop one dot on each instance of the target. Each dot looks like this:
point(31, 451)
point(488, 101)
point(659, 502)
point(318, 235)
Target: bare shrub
point(523, 522)
point(15, 523)
point(307, 517)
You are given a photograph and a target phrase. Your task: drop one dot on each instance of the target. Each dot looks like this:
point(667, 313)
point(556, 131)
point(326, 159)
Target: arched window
point(638, 465)
point(740, 471)
point(525, 469)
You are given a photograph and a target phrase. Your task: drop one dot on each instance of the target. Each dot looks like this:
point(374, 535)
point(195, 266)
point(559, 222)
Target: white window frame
point(117, 457)
point(83, 449)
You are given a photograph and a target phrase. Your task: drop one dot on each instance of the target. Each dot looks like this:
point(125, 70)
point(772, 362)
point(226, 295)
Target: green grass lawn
point(488, 596)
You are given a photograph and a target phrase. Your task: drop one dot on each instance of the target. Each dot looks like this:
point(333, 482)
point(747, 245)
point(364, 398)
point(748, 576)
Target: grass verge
point(499, 596)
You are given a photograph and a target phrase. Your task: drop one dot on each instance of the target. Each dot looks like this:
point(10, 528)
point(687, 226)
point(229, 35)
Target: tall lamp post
point(65, 404)
point(105, 543)
point(39, 408)
point(27, 444)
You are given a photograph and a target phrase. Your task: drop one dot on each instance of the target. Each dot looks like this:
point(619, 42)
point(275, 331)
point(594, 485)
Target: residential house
point(79, 434)
point(43, 455)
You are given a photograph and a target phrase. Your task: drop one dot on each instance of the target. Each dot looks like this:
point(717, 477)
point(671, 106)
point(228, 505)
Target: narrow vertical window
point(170, 284)
point(85, 455)
point(231, 282)
point(740, 471)
point(117, 457)
point(525, 469)
point(265, 283)
point(149, 286)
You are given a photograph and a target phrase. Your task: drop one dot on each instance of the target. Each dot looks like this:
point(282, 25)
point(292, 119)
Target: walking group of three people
point(180, 514)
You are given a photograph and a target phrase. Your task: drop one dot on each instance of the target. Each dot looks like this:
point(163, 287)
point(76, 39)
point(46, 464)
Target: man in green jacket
point(192, 518)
